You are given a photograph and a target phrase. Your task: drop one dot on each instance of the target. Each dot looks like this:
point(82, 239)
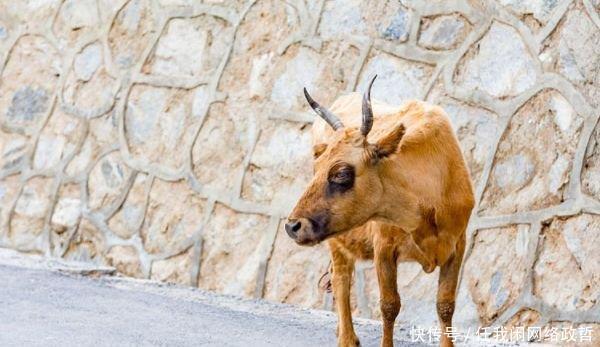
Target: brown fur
point(411, 201)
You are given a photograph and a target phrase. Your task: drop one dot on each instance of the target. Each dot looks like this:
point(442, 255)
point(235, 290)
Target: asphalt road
point(40, 307)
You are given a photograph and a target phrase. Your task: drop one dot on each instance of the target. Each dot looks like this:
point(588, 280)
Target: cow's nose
point(292, 227)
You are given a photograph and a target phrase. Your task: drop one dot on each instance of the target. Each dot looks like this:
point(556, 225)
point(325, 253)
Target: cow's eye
point(342, 176)
point(340, 179)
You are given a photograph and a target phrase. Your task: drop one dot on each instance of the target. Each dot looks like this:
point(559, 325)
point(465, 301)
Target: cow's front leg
point(446, 295)
point(343, 267)
point(385, 263)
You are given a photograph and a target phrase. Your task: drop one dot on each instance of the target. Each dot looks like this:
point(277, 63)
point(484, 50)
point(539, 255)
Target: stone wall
point(169, 138)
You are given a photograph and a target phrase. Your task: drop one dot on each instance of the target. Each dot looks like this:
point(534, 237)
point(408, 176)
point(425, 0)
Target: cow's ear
point(319, 149)
point(388, 144)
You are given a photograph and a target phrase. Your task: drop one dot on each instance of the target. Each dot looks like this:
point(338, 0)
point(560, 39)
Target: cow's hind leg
point(343, 267)
point(385, 263)
point(447, 291)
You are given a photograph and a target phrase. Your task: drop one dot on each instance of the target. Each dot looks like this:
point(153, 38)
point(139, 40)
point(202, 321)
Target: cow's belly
point(362, 243)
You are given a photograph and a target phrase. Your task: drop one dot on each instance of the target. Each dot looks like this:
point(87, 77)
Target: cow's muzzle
point(304, 231)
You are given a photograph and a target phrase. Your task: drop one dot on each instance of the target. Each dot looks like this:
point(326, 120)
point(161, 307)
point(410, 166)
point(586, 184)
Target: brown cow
point(398, 191)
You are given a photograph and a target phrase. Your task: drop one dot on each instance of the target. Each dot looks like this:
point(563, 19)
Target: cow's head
point(347, 188)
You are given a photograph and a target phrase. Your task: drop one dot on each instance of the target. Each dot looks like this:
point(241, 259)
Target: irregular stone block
point(231, 252)
point(476, 129)
point(30, 13)
point(101, 137)
point(574, 51)
point(534, 158)
point(126, 260)
point(569, 246)
point(107, 181)
point(28, 106)
point(75, 19)
point(496, 270)
point(338, 61)
point(87, 245)
point(525, 318)
point(300, 71)
point(65, 218)
point(538, 11)
point(397, 79)
point(267, 174)
point(443, 32)
point(67, 211)
point(398, 28)
point(28, 82)
point(266, 25)
point(383, 19)
point(190, 47)
point(81, 162)
point(131, 32)
point(29, 215)
point(87, 62)
point(58, 140)
point(176, 269)
point(13, 152)
point(342, 18)
point(220, 148)
point(127, 221)
point(89, 90)
point(174, 216)
point(293, 272)
point(499, 64)
point(323, 75)
point(160, 124)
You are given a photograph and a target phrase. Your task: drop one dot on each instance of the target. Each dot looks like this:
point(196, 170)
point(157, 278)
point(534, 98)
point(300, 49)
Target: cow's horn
point(324, 113)
point(367, 111)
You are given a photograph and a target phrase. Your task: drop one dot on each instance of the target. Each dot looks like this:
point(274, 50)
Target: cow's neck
point(400, 205)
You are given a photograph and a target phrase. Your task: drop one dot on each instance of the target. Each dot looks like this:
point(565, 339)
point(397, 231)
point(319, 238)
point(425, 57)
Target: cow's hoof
point(428, 267)
point(349, 342)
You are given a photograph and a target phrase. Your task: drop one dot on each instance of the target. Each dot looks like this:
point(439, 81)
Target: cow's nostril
point(293, 226)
